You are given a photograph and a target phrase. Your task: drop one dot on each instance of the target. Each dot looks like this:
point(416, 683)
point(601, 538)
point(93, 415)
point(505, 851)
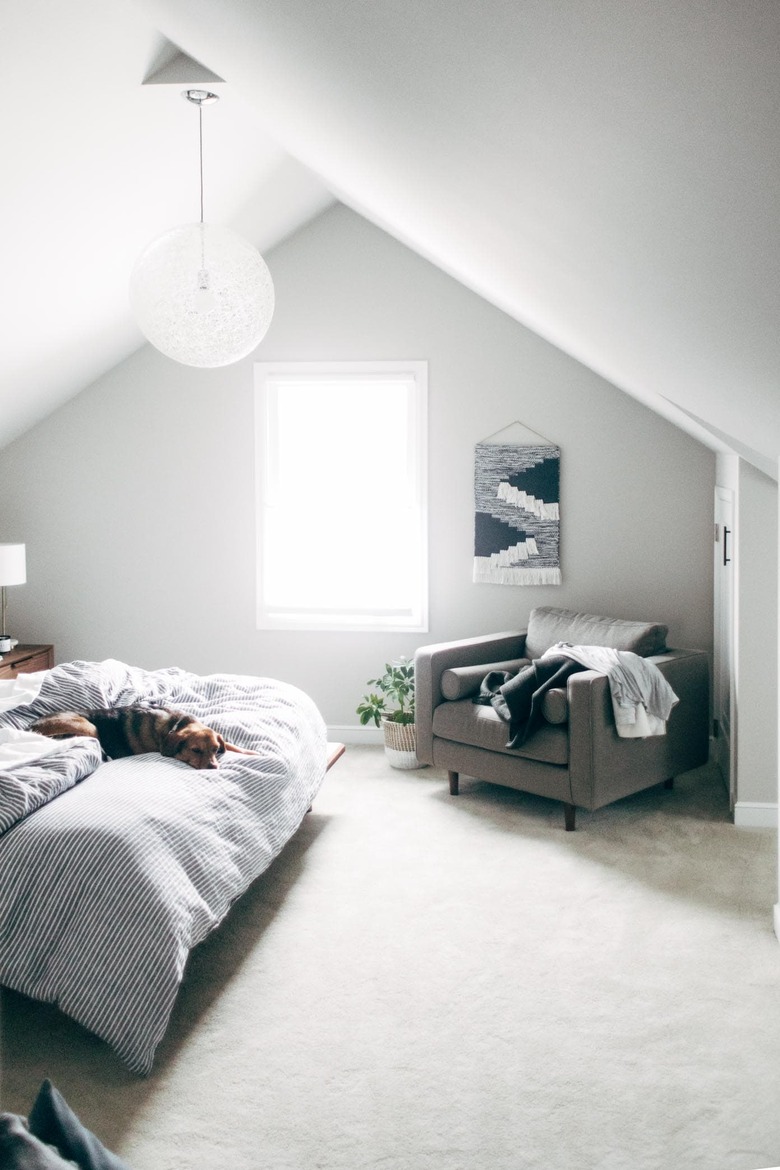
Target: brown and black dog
point(134, 730)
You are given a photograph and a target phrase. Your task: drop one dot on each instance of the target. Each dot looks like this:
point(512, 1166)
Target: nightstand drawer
point(26, 660)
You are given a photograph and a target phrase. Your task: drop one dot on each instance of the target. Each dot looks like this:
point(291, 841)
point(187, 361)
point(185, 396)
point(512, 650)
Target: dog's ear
point(176, 736)
point(221, 746)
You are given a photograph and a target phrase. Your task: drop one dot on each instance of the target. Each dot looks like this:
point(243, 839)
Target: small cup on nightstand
point(5, 643)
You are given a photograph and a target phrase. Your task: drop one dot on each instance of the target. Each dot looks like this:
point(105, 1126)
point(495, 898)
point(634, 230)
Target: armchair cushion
point(466, 722)
point(548, 625)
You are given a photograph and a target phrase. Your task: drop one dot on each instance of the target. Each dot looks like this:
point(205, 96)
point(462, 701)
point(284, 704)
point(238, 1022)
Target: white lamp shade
point(13, 569)
point(202, 295)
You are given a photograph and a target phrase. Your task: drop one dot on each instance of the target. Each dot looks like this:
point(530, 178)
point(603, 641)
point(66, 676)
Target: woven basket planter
point(400, 744)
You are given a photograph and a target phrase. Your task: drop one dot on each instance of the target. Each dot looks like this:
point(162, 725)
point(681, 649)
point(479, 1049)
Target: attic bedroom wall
point(136, 499)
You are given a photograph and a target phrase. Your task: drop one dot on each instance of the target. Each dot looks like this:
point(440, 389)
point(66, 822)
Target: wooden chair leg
point(669, 783)
point(453, 779)
point(569, 815)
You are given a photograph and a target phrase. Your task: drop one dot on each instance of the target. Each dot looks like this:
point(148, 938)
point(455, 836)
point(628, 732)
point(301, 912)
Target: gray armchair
point(576, 756)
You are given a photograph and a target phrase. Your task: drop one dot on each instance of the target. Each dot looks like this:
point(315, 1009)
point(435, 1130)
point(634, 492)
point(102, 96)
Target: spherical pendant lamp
point(201, 293)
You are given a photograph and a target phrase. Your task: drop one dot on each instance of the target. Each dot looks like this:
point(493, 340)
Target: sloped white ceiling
point(94, 166)
point(607, 171)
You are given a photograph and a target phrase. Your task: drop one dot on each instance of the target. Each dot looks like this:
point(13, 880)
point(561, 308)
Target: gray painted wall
point(136, 499)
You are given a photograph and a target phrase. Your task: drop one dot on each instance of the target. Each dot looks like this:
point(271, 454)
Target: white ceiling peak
point(172, 66)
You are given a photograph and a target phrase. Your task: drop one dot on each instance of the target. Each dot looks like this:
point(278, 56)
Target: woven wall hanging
point(517, 512)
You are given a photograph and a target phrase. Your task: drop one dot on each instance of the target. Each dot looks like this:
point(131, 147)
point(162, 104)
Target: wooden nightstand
point(26, 660)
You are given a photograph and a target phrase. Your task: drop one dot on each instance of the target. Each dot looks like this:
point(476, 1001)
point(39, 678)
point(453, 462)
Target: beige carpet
point(423, 982)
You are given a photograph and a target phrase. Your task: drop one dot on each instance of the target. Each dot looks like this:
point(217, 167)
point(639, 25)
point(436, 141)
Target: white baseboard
point(355, 734)
point(755, 814)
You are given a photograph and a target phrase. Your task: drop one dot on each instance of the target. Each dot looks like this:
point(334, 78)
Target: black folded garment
point(517, 698)
point(53, 1139)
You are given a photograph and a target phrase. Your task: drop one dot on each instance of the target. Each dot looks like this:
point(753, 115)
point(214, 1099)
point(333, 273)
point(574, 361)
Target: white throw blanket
point(642, 699)
point(22, 747)
point(14, 692)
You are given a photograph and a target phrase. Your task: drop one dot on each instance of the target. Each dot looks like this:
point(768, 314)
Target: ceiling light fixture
point(201, 293)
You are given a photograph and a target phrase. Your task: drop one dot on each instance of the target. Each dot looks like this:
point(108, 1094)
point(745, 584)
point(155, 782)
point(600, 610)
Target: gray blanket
point(517, 697)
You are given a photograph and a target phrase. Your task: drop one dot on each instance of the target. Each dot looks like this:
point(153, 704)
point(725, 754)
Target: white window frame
point(269, 380)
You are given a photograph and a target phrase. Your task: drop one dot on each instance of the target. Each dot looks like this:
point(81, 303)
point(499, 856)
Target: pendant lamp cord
point(199, 97)
point(200, 143)
point(203, 279)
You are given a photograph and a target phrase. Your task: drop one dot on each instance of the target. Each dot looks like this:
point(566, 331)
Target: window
point(341, 459)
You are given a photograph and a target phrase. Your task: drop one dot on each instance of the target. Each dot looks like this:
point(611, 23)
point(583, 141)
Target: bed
point(111, 871)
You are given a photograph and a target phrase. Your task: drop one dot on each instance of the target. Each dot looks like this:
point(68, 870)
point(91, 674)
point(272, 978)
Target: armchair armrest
point(431, 661)
point(602, 766)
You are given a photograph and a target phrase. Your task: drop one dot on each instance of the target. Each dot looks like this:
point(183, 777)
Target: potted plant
point(391, 707)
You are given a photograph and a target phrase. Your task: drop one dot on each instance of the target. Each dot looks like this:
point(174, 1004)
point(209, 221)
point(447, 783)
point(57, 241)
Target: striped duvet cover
point(107, 885)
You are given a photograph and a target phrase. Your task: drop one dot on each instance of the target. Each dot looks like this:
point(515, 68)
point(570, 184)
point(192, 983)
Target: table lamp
point(13, 571)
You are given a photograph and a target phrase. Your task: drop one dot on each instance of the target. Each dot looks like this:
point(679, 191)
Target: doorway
point(724, 731)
